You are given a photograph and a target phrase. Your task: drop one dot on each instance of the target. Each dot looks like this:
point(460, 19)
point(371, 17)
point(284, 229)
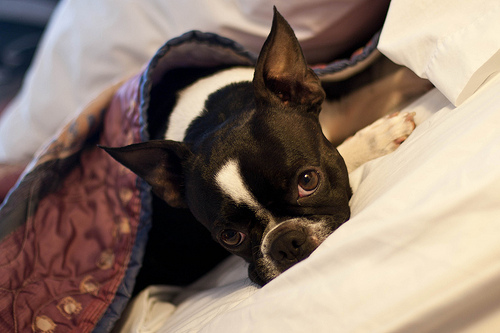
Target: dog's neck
point(191, 100)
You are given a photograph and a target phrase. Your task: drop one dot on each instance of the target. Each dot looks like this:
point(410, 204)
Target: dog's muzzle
point(290, 242)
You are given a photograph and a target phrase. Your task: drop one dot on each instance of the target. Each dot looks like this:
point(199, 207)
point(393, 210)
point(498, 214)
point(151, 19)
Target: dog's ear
point(160, 164)
point(282, 76)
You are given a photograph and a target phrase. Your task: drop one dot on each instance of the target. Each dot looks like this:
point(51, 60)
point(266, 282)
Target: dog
point(244, 151)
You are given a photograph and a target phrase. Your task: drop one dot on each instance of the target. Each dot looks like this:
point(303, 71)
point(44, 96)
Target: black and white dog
point(244, 151)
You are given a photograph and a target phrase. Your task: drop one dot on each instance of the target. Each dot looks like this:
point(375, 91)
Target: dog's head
point(268, 185)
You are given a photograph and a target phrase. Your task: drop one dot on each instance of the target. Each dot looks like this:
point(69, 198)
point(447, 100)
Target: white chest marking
point(231, 183)
point(191, 102)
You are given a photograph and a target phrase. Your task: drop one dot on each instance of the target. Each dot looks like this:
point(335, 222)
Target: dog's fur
point(245, 152)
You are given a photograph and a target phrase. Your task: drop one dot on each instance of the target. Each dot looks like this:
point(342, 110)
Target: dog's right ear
point(160, 164)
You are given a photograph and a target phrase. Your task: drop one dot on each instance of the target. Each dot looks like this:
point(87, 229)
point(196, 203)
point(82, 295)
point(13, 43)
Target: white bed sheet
point(420, 253)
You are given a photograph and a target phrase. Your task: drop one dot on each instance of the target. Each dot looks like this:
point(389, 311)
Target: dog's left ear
point(160, 164)
point(282, 77)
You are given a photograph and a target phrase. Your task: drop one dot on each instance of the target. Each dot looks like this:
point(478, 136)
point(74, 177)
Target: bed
point(419, 254)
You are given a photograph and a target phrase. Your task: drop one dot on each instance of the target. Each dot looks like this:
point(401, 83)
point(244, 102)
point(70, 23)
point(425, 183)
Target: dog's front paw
point(378, 139)
point(388, 133)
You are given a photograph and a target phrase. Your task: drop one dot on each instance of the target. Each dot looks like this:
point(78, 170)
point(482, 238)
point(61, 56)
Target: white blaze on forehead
point(231, 183)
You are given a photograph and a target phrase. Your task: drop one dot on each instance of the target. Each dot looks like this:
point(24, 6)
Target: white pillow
point(453, 43)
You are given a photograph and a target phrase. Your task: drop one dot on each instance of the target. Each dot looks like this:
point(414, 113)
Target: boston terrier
point(245, 152)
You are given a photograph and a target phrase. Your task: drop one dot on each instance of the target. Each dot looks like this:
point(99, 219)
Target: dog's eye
point(232, 237)
point(308, 182)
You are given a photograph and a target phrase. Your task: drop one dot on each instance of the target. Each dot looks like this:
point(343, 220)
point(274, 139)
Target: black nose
point(291, 247)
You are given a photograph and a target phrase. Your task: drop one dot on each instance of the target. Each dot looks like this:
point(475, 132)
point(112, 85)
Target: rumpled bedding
point(74, 228)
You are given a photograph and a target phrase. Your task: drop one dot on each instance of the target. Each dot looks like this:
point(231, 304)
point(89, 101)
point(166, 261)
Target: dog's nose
point(291, 246)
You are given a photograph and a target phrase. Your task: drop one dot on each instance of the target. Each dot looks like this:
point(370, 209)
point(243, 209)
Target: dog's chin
point(265, 269)
point(255, 277)
point(260, 274)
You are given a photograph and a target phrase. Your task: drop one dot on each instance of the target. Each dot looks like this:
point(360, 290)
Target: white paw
point(388, 133)
point(378, 139)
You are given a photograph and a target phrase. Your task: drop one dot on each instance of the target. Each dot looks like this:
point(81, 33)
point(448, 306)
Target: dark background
point(22, 23)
